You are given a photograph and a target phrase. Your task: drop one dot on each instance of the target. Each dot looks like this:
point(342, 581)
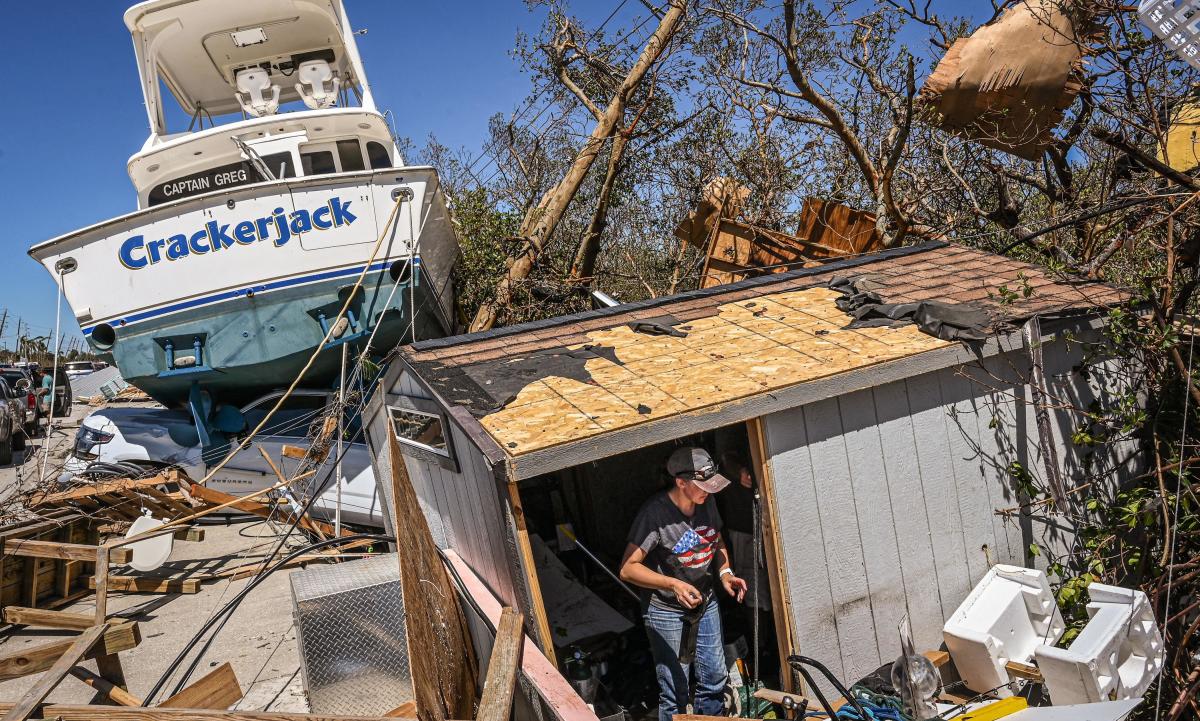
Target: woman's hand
point(734, 586)
point(686, 594)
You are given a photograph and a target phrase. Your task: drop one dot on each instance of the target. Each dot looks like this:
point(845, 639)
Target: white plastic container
point(1010, 613)
point(1117, 655)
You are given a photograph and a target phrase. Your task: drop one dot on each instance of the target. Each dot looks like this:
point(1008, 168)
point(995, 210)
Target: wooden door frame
point(781, 602)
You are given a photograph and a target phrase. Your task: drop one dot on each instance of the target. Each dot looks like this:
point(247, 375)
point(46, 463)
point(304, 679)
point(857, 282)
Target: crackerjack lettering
point(214, 236)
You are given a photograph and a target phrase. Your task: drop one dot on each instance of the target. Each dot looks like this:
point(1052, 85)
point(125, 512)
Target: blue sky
point(74, 113)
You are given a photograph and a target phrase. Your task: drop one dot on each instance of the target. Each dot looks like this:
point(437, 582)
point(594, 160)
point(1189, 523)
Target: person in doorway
point(676, 554)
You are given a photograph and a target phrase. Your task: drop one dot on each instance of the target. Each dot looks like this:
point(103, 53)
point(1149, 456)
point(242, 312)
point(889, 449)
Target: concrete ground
point(259, 640)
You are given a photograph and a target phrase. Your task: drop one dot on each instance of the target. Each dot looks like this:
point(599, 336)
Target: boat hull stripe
point(236, 292)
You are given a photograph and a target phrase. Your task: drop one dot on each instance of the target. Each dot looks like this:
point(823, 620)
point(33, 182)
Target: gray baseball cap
point(695, 465)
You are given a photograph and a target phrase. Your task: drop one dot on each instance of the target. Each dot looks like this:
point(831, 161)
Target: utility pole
point(20, 344)
point(3, 319)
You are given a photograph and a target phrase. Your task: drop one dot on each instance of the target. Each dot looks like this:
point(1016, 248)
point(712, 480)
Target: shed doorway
point(578, 522)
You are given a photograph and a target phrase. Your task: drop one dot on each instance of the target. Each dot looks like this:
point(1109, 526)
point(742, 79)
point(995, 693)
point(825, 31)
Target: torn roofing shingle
point(561, 379)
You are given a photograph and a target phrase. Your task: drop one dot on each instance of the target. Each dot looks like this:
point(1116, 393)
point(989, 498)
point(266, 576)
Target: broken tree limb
point(539, 224)
point(496, 702)
point(80, 645)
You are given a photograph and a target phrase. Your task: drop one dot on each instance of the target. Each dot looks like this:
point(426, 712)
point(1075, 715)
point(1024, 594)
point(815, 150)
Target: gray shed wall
point(462, 509)
point(886, 498)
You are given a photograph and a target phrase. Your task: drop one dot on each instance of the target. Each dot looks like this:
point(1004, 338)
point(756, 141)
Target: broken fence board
point(61, 551)
point(218, 689)
point(496, 702)
point(25, 616)
point(80, 645)
point(119, 637)
point(143, 584)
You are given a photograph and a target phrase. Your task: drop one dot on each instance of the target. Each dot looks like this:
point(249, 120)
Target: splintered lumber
point(1007, 85)
point(24, 616)
point(118, 713)
point(168, 477)
point(62, 551)
point(496, 702)
point(218, 689)
point(114, 692)
point(441, 654)
point(244, 504)
point(51, 678)
point(145, 584)
point(117, 637)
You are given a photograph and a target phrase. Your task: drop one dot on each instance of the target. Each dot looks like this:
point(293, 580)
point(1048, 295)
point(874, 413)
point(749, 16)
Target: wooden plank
point(244, 504)
point(443, 664)
point(145, 584)
point(1026, 671)
point(80, 645)
point(58, 550)
point(781, 600)
point(26, 616)
point(408, 709)
point(99, 583)
point(118, 637)
point(163, 499)
point(218, 689)
point(496, 702)
point(189, 534)
point(939, 658)
point(118, 695)
point(117, 713)
point(109, 666)
point(525, 554)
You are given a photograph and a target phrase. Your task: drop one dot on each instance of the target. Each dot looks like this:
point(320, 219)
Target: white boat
point(254, 222)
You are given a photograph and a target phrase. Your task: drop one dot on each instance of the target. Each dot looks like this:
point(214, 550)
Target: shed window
point(420, 429)
point(318, 162)
point(350, 153)
point(378, 156)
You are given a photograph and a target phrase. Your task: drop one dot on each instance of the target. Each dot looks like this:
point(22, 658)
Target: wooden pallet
point(40, 582)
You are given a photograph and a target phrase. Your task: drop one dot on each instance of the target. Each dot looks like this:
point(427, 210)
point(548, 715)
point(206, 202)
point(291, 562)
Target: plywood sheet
point(749, 347)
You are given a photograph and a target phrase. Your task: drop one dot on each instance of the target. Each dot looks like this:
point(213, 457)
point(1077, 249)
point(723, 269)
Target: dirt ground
point(259, 640)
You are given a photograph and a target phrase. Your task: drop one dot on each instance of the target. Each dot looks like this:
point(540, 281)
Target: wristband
point(725, 570)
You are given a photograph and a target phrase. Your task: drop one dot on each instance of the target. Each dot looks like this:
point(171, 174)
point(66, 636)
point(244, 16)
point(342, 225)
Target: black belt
point(691, 630)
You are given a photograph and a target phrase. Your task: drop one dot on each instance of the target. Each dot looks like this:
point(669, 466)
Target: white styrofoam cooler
point(1010, 613)
point(1117, 655)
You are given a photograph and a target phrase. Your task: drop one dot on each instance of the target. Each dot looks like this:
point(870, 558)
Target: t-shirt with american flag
point(676, 545)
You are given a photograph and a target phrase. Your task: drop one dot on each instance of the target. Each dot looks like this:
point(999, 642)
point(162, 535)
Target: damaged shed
point(882, 451)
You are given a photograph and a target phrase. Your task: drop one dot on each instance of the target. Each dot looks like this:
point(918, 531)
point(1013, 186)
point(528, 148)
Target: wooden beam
point(777, 697)
point(218, 689)
point(242, 503)
point(189, 534)
point(1026, 671)
point(119, 696)
point(81, 644)
point(119, 713)
point(501, 681)
point(528, 568)
point(99, 583)
point(939, 658)
point(145, 584)
point(25, 616)
point(781, 599)
point(62, 551)
point(117, 637)
point(408, 709)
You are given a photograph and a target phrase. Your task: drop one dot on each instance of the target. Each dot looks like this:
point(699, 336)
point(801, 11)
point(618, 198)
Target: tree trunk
point(584, 268)
point(539, 224)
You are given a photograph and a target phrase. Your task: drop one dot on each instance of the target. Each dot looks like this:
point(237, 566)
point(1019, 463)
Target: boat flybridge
point(255, 221)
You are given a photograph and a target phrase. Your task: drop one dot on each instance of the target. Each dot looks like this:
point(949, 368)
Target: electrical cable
point(283, 538)
point(233, 603)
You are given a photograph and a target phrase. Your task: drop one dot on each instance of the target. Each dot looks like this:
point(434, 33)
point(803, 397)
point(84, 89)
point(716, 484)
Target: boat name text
point(136, 253)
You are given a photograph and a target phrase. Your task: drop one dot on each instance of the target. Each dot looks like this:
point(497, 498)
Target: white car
point(157, 437)
point(75, 369)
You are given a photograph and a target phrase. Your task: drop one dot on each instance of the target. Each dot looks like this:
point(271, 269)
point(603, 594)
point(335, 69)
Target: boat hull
point(236, 290)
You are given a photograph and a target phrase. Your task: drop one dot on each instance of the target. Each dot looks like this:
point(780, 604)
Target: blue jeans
point(665, 629)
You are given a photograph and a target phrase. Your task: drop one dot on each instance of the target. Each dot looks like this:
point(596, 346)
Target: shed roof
point(539, 385)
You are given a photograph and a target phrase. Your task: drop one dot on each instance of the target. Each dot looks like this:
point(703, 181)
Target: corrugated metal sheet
point(89, 385)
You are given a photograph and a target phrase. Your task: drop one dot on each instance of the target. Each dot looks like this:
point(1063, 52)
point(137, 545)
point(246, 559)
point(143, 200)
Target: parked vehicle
point(74, 369)
point(158, 437)
point(62, 393)
point(12, 418)
point(21, 383)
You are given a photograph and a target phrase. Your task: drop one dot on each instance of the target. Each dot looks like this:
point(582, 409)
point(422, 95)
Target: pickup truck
point(153, 438)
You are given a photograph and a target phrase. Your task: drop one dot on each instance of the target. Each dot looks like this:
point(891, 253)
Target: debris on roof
point(1007, 85)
